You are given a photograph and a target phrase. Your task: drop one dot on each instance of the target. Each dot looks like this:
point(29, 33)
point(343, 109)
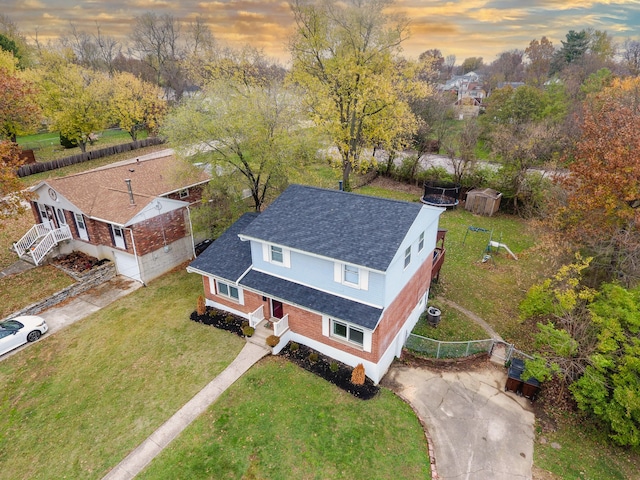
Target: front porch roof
point(315, 300)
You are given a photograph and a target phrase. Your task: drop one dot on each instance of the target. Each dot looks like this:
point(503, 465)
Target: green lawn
point(19, 291)
point(453, 327)
point(281, 422)
point(47, 146)
point(74, 404)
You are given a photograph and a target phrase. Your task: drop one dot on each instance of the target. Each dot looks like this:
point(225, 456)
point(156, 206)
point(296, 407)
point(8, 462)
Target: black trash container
point(433, 316)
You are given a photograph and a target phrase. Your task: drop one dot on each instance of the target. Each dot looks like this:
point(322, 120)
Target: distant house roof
point(102, 192)
point(312, 299)
point(228, 257)
point(348, 227)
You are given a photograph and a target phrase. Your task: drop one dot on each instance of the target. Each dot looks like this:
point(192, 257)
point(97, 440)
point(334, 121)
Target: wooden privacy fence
point(437, 349)
point(30, 169)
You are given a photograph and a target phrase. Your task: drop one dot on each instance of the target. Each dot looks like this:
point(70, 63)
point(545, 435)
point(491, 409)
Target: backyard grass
point(74, 404)
point(580, 450)
point(280, 422)
point(46, 146)
point(453, 327)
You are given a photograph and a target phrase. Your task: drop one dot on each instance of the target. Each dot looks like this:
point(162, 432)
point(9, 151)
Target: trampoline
point(441, 194)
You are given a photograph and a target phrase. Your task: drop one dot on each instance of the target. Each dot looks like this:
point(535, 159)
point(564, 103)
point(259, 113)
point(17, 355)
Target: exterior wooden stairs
point(38, 242)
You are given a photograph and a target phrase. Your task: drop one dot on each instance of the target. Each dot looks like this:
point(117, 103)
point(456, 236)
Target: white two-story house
point(345, 274)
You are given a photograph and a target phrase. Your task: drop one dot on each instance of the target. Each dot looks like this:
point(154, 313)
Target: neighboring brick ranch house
point(345, 274)
point(134, 213)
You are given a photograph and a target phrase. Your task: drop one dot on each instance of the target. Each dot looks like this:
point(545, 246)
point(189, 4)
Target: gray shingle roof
point(358, 229)
point(228, 257)
point(335, 307)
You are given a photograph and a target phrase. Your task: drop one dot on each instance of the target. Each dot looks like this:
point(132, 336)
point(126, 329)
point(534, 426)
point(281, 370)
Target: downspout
point(135, 254)
point(193, 245)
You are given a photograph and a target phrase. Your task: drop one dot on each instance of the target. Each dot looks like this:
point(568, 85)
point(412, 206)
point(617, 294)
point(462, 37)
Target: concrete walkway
point(139, 458)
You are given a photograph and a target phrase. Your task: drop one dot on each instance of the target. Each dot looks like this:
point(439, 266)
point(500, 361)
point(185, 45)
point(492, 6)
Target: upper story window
point(351, 275)
point(421, 242)
point(184, 193)
point(407, 257)
point(277, 255)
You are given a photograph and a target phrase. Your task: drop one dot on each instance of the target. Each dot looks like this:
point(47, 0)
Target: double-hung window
point(227, 290)
point(277, 255)
point(347, 332)
point(351, 275)
point(407, 257)
point(421, 242)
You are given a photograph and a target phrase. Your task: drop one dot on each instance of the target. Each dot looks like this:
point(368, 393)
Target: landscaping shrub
point(313, 357)
point(273, 340)
point(334, 367)
point(357, 376)
point(201, 307)
point(230, 319)
point(248, 331)
point(293, 346)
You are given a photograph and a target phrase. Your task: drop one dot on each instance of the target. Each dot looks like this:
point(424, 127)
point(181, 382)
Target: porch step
point(260, 335)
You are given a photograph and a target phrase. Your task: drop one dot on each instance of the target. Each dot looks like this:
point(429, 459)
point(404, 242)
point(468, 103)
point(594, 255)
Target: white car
point(20, 330)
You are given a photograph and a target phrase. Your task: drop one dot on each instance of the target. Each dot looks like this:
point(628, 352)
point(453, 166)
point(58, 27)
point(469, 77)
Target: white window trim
point(339, 276)
point(328, 329)
point(407, 257)
point(421, 242)
point(286, 255)
point(121, 236)
point(215, 289)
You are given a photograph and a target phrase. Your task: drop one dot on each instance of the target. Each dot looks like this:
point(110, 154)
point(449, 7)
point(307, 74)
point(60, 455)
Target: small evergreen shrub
point(245, 323)
point(201, 307)
point(273, 340)
point(357, 375)
point(313, 357)
point(230, 319)
point(334, 367)
point(248, 331)
point(294, 347)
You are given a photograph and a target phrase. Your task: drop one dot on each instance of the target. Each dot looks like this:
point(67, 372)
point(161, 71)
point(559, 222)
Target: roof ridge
point(121, 163)
point(394, 200)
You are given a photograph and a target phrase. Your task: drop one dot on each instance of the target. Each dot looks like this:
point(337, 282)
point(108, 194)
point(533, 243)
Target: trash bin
point(433, 316)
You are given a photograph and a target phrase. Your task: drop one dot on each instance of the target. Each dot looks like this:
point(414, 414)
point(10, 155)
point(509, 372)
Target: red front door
point(276, 308)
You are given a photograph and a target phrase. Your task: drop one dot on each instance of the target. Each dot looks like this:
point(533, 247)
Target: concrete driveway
point(477, 430)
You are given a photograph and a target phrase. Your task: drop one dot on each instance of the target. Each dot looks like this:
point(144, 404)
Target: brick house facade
point(136, 214)
point(265, 271)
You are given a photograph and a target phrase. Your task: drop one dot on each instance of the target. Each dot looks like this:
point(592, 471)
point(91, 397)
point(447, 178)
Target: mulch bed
point(221, 320)
point(341, 377)
point(77, 262)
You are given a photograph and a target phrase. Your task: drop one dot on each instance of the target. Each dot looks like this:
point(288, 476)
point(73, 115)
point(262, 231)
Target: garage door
point(127, 265)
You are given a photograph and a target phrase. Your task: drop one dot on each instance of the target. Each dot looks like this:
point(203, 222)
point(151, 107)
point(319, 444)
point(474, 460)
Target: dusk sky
point(465, 28)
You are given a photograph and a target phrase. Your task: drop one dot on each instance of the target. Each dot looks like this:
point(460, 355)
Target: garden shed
point(485, 201)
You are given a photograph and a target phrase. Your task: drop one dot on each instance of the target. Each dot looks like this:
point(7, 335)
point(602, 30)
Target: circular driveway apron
point(478, 430)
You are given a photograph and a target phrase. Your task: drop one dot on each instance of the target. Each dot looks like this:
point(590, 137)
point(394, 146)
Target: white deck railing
point(256, 317)
point(49, 241)
point(280, 325)
point(22, 246)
